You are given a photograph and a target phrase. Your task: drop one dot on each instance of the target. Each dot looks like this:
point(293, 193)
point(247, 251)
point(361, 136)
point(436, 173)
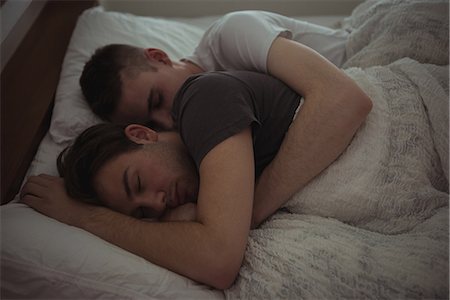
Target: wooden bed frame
point(28, 85)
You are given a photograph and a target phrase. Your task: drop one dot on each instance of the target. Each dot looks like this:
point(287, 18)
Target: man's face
point(145, 182)
point(148, 97)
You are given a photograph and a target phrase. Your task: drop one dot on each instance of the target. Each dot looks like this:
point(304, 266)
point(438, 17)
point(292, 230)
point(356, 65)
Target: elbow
point(352, 99)
point(224, 273)
point(365, 107)
point(225, 282)
point(222, 266)
point(365, 104)
point(359, 106)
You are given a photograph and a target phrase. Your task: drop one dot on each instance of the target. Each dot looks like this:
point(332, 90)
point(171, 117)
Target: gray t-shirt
point(210, 107)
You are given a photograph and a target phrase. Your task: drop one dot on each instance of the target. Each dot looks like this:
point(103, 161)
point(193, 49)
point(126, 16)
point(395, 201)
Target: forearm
point(182, 247)
point(315, 140)
point(333, 110)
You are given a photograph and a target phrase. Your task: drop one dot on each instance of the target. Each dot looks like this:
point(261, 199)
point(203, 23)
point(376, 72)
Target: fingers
point(32, 188)
point(49, 177)
point(44, 178)
point(38, 185)
point(30, 200)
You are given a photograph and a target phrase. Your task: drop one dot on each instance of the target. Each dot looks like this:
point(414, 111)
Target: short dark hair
point(101, 81)
point(80, 162)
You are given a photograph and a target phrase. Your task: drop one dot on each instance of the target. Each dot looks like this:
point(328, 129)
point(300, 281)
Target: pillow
point(61, 261)
point(96, 28)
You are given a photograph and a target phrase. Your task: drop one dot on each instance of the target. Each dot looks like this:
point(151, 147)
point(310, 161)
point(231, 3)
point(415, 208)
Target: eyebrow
point(125, 182)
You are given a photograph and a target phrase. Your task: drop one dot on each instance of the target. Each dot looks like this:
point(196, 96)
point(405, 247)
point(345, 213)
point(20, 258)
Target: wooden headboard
point(28, 86)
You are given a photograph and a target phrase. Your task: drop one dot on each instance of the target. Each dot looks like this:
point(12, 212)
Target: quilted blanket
point(375, 223)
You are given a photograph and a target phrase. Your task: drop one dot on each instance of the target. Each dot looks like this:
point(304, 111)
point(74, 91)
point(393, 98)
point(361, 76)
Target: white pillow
point(96, 28)
point(43, 258)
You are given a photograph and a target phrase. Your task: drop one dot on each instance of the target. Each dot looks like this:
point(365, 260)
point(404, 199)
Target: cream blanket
point(375, 223)
point(390, 177)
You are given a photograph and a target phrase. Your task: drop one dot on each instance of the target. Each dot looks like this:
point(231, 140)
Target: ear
point(158, 55)
point(141, 134)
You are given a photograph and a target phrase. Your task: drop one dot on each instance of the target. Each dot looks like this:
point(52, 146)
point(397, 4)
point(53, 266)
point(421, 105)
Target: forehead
point(136, 86)
point(109, 180)
point(133, 102)
point(110, 171)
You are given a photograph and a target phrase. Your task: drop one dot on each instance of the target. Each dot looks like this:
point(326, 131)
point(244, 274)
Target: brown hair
point(101, 81)
point(80, 162)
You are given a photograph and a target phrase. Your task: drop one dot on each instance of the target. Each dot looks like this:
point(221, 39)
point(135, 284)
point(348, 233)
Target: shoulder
point(206, 94)
point(241, 40)
point(210, 108)
point(214, 88)
point(239, 19)
point(219, 84)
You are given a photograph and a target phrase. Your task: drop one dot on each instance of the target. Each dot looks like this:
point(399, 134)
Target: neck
point(188, 66)
point(172, 137)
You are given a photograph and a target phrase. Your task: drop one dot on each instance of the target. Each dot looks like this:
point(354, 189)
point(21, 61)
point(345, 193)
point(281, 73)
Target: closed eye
point(139, 184)
point(154, 101)
point(158, 102)
point(150, 101)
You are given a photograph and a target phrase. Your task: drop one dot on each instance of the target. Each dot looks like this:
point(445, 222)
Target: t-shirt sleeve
point(211, 109)
point(240, 41)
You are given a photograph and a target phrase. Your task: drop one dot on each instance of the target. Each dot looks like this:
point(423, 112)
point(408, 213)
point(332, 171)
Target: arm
point(185, 212)
point(209, 250)
point(333, 110)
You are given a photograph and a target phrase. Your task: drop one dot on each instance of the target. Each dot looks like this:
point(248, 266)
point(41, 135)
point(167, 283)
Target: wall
point(17, 16)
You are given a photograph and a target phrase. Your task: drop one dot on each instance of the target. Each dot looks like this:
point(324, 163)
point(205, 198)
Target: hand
point(185, 212)
point(47, 195)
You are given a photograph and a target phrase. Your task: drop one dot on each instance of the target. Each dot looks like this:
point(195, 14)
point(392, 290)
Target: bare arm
point(209, 250)
point(333, 110)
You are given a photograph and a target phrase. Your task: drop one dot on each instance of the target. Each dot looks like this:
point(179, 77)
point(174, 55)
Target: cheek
point(170, 97)
point(106, 191)
point(167, 173)
point(102, 190)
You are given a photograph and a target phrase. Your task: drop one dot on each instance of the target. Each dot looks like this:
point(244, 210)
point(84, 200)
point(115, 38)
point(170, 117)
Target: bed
point(372, 225)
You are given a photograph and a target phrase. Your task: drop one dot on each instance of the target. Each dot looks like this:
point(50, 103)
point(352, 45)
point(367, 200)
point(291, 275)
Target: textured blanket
point(375, 223)
point(383, 31)
point(390, 178)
